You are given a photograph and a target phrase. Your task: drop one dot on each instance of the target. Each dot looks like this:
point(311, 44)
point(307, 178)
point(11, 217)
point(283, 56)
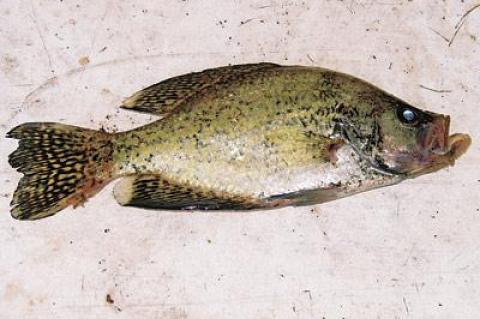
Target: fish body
point(253, 136)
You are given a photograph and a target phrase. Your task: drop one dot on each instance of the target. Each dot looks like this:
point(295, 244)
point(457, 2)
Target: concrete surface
point(409, 251)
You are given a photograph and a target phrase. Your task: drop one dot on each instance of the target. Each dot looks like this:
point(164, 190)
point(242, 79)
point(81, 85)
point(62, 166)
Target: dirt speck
point(84, 60)
point(12, 291)
point(8, 63)
point(109, 300)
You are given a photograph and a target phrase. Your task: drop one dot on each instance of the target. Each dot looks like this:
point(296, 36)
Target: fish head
point(414, 142)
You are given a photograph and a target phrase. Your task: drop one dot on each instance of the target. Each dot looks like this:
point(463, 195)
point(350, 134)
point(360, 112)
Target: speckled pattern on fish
point(253, 136)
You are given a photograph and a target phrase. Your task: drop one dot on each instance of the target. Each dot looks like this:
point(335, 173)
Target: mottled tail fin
point(62, 165)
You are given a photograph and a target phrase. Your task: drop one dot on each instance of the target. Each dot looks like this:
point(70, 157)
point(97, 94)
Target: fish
point(236, 138)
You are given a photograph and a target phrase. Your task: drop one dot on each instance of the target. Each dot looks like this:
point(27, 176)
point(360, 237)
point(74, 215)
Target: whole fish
point(252, 136)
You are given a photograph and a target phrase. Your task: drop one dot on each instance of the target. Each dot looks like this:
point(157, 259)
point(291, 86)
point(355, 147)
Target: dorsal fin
point(162, 98)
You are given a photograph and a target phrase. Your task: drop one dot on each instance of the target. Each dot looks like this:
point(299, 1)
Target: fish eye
point(407, 116)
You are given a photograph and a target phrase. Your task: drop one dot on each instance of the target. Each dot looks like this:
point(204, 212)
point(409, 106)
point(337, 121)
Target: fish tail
point(63, 165)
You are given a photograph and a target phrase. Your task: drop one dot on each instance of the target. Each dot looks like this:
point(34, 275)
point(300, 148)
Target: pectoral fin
point(156, 192)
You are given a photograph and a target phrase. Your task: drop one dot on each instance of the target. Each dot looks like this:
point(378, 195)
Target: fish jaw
point(458, 144)
point(441, 148)
point(455, 146)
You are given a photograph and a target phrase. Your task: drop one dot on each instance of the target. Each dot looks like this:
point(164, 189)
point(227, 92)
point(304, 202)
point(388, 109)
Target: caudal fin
point(62, 165)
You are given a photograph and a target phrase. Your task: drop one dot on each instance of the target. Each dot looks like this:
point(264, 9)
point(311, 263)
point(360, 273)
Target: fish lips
point(436, 148)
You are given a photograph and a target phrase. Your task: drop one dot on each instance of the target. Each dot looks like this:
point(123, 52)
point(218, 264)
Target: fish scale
point(241, 137)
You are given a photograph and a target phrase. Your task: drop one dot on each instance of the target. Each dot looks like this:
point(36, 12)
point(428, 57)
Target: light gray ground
point(409, 251)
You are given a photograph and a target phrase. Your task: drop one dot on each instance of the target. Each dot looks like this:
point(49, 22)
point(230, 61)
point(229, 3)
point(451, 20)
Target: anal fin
point(156, 192)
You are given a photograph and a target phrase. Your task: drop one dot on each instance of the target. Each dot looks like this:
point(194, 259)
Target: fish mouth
point(454, 146)
point(458, 144)
point(445, 148)
point(436, 148)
